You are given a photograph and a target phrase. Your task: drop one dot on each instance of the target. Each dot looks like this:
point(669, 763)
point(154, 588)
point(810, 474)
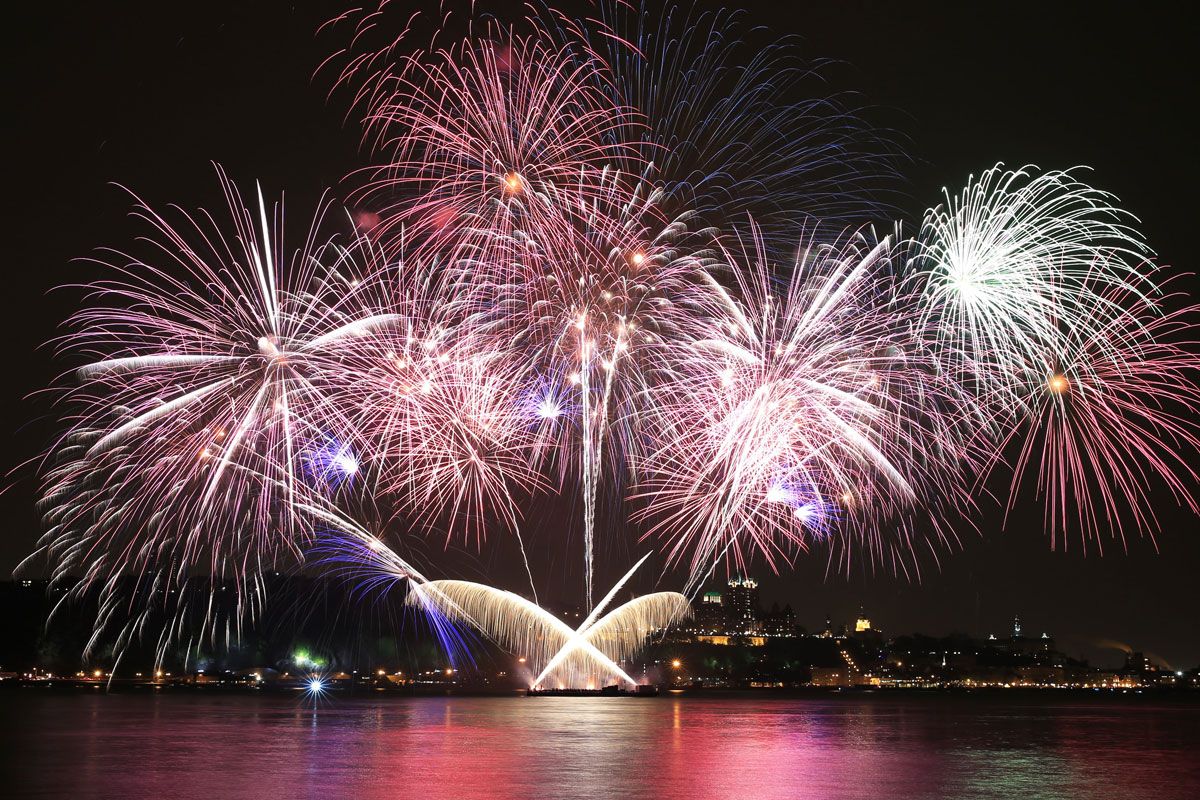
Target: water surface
point(667, 748)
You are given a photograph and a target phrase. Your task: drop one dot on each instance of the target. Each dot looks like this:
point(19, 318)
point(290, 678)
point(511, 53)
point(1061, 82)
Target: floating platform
point(648, 690)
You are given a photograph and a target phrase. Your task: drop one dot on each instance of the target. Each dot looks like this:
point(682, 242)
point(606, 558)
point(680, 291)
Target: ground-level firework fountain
point(582, 658)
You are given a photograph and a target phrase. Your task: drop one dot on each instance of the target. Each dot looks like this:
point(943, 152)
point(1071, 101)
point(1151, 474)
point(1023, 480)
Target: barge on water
point(643, 690)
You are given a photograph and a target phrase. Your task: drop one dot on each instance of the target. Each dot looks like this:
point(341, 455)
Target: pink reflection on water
point(667, 748)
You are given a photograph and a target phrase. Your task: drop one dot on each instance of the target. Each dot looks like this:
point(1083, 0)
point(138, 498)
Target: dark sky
point(147, 94)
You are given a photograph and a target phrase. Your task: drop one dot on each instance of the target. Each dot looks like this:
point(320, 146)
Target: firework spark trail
point(350, 551)
point(581, 633)
point(454, 445)
point(522, 627)
point(1039, 300)
point(1114, 415)
point(793, 409)
point(481, 143)
point(486, 170)
point(470, 142)
point(1014, 264)
point(201, 392)
point(442, 403)
point(442, 400)
point(710, 88)
point(595, 290)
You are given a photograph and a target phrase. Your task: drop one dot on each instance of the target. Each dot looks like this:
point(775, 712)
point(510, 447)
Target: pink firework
point(469, 139)
point(1113, 420)
point(202, 396)
point(601, 290)
point(531, 297)
point(442, 405)
point(799, 411)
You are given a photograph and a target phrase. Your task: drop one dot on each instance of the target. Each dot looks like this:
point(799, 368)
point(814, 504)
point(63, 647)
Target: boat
point(642, 690)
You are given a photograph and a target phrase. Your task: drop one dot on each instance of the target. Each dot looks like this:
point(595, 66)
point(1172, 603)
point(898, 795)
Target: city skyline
point(732, 613)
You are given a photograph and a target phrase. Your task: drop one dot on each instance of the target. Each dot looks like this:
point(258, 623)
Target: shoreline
point(91, 688)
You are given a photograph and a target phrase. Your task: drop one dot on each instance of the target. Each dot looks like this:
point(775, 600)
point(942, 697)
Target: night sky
point(149, 95)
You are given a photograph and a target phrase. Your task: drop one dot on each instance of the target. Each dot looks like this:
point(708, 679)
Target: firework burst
point(470, 141)
point(1015, 266)
point(724, 142)
point(201, 402)
point(1113, 417)
point(794, 409)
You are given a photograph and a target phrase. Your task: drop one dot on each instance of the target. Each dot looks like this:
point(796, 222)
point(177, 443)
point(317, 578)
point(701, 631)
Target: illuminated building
point(864, 633)
point(708, 615)
point(831, 676)
point(1019, 644)
point(743, 608)
point(1138, 664)
point(779, 622)
point(734, 615)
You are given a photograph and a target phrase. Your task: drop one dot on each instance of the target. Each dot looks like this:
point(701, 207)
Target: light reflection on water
point(667, 748)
